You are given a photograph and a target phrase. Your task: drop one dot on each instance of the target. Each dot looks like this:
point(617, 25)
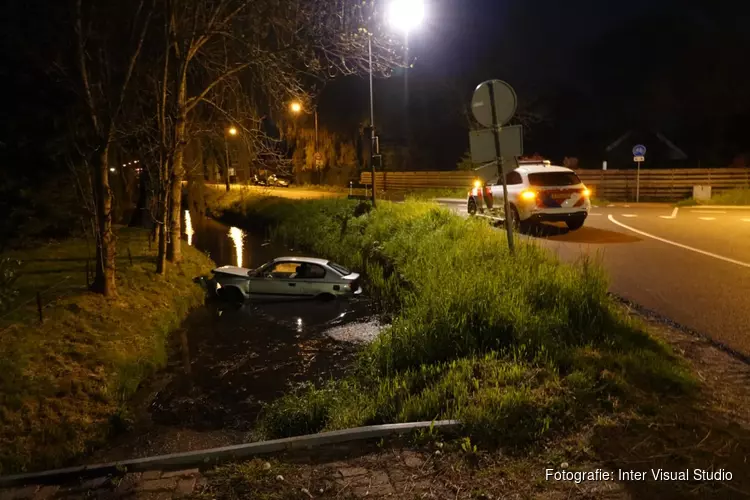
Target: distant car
point(286, 277)
point(274, 180)
point(537, 192)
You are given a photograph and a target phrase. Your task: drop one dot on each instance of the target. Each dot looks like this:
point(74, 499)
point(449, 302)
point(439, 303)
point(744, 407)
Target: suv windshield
point(338, 267)
point(554, 179)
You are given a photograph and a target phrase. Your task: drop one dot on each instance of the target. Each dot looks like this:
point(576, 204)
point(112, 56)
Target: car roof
point(535, 169)
point(309, 260)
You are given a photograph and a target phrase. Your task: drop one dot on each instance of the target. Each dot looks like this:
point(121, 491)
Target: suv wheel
point(472, 207)
point(518, 225)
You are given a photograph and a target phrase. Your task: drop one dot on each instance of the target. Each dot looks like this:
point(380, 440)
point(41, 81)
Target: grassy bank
point(737, 197)
point(64, 384)
point(514, 346)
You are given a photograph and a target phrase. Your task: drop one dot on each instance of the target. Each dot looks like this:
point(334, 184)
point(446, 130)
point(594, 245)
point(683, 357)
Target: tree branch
point(193, 101)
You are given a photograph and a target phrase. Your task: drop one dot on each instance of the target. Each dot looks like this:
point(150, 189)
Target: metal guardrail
point(664, 184)
point(204, 458)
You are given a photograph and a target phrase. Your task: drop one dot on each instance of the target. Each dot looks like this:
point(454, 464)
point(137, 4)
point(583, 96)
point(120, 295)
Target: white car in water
point(286, 277)
point(537, 192)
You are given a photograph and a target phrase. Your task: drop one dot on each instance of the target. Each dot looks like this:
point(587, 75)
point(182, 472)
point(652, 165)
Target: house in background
point(661, 152)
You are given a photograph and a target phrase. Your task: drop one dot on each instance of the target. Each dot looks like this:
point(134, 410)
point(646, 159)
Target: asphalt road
point(691, 265)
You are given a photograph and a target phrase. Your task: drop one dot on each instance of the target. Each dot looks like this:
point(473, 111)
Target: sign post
point(493, 104)
point(639, 156)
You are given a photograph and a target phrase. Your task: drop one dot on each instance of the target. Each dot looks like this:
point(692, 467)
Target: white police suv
point(537, 192)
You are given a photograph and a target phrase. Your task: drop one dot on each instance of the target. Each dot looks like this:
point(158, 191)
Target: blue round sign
point(639, 150)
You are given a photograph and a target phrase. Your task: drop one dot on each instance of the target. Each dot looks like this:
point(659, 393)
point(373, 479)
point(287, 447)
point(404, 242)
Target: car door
point(312, 280)
point(278, 279)
point(513, 180)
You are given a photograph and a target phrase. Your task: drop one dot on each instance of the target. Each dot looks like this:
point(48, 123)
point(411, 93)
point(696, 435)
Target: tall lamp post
point(231, 132)
point(297, 108)
point(404, 16)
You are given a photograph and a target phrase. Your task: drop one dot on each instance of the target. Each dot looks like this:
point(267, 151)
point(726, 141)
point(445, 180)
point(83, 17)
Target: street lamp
point(402, 15)
point(232, 131)
point(405, 15)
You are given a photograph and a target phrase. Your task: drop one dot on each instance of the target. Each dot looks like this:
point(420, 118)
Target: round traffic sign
point(639, 150)
point(504, 98)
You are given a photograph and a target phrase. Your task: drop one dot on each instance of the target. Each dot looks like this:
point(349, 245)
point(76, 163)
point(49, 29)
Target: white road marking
point(680, 245)
point(673, 216)
point(603, 214)
point(708, 211)
point(745, 220)
point(629, 215)
point(707, 218)
point(626, 206)
point(610, 205)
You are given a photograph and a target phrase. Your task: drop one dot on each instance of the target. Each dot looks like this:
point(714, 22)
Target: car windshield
point(339, 268)
point(554, 179)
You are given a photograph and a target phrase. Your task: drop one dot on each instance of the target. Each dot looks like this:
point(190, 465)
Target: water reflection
point(189, 228)
point(238, 238)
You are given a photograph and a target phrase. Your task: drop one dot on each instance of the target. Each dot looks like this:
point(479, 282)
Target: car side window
point(315, 272)
point(310, 272)
point(282, 270)
point(513, 178)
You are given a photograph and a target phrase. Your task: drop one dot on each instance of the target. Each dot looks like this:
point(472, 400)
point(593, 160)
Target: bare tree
point(109, 40)
point(270, 50)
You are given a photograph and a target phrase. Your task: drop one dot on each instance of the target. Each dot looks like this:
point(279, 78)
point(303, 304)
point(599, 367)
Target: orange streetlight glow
point(232, 131)
point(295, 107)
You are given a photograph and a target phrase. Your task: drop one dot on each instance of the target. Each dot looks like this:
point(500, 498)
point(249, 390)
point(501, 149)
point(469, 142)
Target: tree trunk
point(226, 177)
point(174, 251)
point(104, 280)
point(161, 259)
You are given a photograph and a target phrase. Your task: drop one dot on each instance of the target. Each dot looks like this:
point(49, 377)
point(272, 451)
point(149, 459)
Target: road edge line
point(679, 245)
point(213, 456)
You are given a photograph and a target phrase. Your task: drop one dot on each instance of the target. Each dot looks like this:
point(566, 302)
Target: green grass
point(737, 197)
point(428, 194)
point(64, 383)
point(514, 346)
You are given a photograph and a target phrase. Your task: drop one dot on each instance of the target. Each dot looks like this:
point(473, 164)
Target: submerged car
point(286, 277)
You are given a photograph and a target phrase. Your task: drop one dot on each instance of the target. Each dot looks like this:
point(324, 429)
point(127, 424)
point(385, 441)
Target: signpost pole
point(639, 154)
point(499, 159)
point(638, 183)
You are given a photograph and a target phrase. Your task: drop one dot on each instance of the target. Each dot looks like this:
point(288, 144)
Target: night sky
point(586, 71)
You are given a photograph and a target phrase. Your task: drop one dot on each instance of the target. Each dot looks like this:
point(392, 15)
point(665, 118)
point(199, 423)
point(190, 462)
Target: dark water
point(229, 360)
point(226, 361)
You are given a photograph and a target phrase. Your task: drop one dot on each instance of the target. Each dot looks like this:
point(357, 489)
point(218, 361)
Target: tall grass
point(65, 384)
point(513, 345)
